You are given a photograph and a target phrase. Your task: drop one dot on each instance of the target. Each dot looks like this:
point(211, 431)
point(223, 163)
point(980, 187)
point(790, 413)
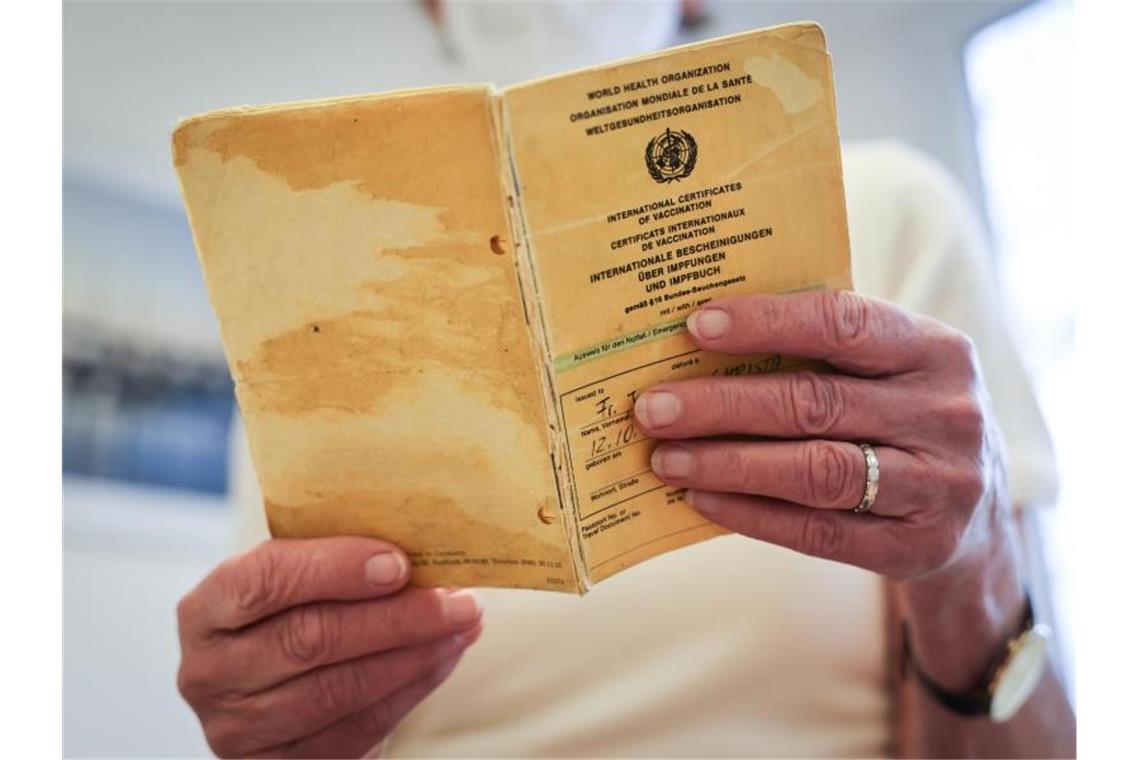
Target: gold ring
point(871, 489)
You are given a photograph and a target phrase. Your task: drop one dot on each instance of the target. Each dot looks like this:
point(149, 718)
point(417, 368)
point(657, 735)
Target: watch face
point(1020, 674)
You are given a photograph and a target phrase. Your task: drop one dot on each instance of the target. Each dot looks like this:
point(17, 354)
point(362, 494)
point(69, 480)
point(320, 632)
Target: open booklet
point(439, 305)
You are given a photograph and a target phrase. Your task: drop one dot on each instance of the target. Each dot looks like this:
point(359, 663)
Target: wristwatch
point(1012, 676)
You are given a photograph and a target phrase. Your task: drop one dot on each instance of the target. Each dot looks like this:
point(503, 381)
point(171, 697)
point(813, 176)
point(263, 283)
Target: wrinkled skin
point(314, 648)
point(791, 471)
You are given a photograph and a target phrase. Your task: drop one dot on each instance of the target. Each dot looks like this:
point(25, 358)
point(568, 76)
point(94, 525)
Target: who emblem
point(671, 156)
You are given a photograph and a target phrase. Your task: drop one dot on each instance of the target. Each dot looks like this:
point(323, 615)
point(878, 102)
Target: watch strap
point(976, 701)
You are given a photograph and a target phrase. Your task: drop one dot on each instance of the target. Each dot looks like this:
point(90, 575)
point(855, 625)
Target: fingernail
point(702, 501)
point(461, 608)
point(386, 569)
point(657, 408)
point(672, 462)
point(709, 323)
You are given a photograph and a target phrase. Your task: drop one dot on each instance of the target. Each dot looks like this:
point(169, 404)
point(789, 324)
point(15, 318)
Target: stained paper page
point(649, 187)
point(379, 345)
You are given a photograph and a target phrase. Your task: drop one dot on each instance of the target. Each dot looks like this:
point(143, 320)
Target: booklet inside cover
point(439, 305)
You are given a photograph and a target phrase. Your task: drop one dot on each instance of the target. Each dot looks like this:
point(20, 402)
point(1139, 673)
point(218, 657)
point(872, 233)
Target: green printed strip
point(630, 340)
point(817, 285)
point(620, 343)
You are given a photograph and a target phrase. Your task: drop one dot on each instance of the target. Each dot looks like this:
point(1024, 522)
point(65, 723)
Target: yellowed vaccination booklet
point(439, 305)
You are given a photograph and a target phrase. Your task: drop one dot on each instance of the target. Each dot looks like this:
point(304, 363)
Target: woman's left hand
point(777, 456)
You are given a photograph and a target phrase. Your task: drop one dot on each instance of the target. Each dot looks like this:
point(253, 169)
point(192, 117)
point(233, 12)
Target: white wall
point(129, 269)
point(129, 555)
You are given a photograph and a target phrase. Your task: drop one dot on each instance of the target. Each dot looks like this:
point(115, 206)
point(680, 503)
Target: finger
point(821, 474)
point(858, 334)
point(885, 545)
point(304, 638)
point(358, 733)
point(281, 573)
point(319, 698)
point(785, 405)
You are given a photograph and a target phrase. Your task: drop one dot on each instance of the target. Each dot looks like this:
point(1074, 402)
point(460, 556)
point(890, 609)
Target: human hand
point(906, 384)
point(312, 648)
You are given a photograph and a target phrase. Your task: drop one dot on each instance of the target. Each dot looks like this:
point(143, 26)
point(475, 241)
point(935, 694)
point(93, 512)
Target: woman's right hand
point(314, 648)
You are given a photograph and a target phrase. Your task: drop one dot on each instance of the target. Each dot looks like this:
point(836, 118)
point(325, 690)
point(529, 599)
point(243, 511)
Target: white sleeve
point(918, 241)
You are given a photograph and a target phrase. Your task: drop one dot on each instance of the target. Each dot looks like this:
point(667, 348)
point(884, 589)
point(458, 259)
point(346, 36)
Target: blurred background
point(983, 87)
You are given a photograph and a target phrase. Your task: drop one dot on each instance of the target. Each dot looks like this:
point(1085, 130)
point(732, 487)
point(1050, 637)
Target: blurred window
point(1019, 71)
point(147, 396)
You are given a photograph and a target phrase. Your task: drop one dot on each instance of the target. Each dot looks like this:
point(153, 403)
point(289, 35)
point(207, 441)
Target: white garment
point(733, 646)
